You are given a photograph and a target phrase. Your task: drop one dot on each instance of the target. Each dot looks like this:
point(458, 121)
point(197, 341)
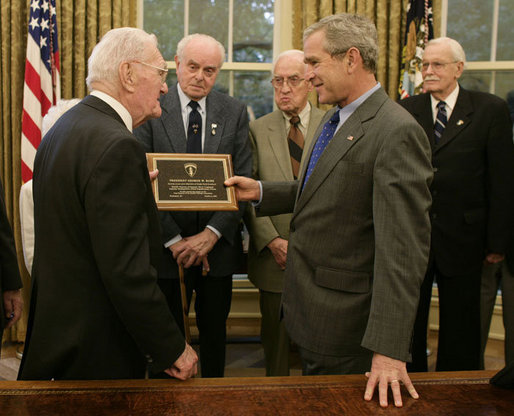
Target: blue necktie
point(440, 121)
point(323, 140)
point(194, 129)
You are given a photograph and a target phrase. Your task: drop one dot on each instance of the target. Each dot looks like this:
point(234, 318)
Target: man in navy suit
point(207, 244)
point(472, 192)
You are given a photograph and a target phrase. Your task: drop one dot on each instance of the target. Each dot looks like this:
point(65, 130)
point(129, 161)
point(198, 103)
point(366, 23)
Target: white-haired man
point(197, 119)
point(470, 134)
point(278, 140)
point(96, 309)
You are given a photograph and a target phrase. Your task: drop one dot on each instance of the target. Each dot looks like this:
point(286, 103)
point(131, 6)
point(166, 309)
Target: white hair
point(458, 53)
point(181, 46)
point(119, 45)
point(55, 112)
point(294, 53)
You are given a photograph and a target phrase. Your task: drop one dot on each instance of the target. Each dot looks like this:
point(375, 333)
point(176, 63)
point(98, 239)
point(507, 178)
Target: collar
point(184, 101)
point(450, 101)
point(304, 115)
point(116, 106)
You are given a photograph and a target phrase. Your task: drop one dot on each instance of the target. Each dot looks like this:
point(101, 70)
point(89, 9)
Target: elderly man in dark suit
point(359, 234)
point(96, 310)
point(473, 189)
point(11, 302)
point(278, 140)
point(197, 119)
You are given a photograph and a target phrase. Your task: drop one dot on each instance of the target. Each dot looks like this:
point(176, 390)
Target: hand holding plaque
point(192, 182)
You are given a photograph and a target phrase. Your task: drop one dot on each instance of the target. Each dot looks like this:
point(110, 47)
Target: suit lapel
point(422, 112)
point(214, 124)
point(347, 136)
point(459, 120)
point(279, 146)
point(172, 121)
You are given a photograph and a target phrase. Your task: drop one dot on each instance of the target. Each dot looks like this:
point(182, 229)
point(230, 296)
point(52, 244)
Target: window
point(245, 27)
point(484, 28)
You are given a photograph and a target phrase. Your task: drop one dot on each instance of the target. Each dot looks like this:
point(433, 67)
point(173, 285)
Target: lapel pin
point(213, 129)
point(460, 123)
point(349, 138)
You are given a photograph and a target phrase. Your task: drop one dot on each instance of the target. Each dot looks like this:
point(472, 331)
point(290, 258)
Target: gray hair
point(181, 46)
point(56, 111)
point(458, 53)
point(119, 45)
point(292, 53)
point(344, 31)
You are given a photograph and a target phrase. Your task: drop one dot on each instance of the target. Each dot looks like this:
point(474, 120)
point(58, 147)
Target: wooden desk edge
point(18, 387)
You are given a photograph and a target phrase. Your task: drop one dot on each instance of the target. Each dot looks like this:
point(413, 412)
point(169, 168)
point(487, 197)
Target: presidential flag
point(42, 86)
point(419, 31)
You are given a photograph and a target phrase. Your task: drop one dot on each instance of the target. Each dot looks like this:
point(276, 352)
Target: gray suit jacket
point(166, 135)
point(271, 162)
point(359, 235)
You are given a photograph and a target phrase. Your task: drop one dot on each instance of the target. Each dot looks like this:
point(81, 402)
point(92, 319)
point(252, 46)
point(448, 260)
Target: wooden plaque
point(192, 182)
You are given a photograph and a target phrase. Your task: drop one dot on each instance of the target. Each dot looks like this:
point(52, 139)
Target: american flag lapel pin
point(349, 138)
point(460, 123)
point(213, 129)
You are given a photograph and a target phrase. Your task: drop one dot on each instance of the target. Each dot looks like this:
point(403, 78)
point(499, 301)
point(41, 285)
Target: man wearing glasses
point(96, 310)
point(472, 192)
point(278, 140)
point(197, 119)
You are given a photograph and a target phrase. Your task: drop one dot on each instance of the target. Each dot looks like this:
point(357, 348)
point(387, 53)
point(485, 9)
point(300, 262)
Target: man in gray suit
point(359, 234)
point(197, 119)
point(277, 142)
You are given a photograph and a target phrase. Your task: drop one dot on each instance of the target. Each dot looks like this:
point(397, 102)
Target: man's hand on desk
point(247, 189)
point(387, 371)
point(186, 365)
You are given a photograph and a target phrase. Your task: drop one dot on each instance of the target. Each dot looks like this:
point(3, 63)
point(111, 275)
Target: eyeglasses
point(436, 66)
point(278, 82)
point(163, 72)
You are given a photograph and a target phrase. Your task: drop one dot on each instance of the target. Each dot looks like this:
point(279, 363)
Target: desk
point(448, 394)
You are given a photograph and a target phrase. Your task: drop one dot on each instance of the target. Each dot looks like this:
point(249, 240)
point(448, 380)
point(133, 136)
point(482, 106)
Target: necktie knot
point(335, 118)
point(441, 106)
point(194, 105)
point(295, 120)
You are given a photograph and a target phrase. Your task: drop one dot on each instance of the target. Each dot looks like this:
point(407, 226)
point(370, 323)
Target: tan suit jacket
point(271, 162)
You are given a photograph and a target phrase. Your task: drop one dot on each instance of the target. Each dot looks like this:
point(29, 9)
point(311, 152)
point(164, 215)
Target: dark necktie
point(440, 121)
point(295, 142)
point(323, 140)
point(194, 129)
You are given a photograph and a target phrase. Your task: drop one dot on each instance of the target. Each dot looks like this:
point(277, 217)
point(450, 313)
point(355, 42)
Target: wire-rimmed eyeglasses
point(163, 72)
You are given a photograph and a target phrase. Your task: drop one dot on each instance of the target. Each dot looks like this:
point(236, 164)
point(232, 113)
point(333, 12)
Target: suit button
point(434, 216)
point(435, 170)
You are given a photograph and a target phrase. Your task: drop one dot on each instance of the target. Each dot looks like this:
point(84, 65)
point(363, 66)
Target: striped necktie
point(440, 121)
point(323, 140)
point(295, 142)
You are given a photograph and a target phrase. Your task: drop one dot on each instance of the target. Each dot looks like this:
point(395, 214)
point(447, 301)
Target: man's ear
point(353, 56)
point(127, 76)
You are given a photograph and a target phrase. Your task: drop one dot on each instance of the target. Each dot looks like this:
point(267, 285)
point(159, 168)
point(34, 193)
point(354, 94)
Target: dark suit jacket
point(166, 135)
point(96, 311)
point(9, 273)
point(359, 235)
point(473, 186)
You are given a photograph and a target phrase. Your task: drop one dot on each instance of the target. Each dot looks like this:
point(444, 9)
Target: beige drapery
point(81, 23)
point(388, 15)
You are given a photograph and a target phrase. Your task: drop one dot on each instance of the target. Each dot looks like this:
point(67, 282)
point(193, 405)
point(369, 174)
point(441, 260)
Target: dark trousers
point(459, 322)
point(212, 305)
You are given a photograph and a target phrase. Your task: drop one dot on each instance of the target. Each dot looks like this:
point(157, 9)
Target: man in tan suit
point(359, 235)
point(277, 142)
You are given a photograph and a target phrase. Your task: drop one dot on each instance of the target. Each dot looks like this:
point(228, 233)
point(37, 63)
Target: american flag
point(42, 86)
point(419, 31)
